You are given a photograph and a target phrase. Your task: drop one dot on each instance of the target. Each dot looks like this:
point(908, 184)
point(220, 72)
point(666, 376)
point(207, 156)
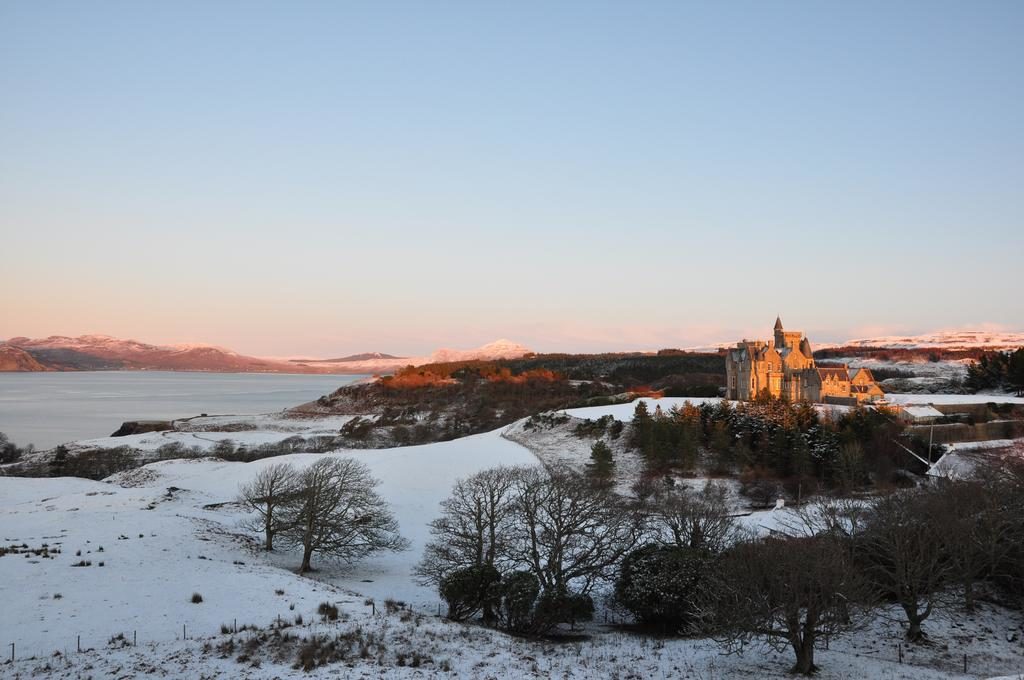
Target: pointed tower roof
point(778, 323)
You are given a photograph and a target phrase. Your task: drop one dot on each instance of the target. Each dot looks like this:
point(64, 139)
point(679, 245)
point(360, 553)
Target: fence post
point(236, 626)
point(135, 638)
point(12, 652)
point(965, 664)
point(899, 647)
point(374, 605)
point(79, 644)
point(183, 636)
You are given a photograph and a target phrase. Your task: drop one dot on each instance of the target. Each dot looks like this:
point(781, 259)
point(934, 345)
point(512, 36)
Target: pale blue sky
point(318, 178)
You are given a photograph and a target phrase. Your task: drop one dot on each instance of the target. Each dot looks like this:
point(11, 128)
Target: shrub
point(554, 607)
point(519, 591)
point(328, 611)
point(662, 585)
point(196, 598)
point(467, 591)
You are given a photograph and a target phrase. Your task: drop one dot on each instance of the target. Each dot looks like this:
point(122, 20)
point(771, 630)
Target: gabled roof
point(858, 372)
point(834, 373)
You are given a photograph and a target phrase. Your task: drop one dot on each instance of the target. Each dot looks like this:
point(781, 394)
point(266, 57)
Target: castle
point(785, 368)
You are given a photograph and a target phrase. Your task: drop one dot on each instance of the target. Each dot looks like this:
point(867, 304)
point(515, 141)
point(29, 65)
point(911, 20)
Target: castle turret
point(780, 335)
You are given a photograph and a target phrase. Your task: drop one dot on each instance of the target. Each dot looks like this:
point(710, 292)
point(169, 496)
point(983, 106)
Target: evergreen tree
point(602, 466)
point(1015, 371)
point(59, 461)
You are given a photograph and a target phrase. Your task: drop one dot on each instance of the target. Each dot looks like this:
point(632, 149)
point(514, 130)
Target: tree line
point(997, 370)
point(773, 438)
point(523, 549)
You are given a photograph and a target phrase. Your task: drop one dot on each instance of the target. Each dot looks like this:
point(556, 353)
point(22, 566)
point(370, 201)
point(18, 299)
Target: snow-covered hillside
point(103, 352)
point(947, 339)
point(163, 532)
point(153, 536)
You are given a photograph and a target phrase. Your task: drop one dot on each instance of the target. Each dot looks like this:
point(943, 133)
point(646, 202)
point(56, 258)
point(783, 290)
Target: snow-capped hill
point(106, 345)
point(499, 349)
point(200, 347)
point(103, 352)
point(948, 339)
point(93, 343)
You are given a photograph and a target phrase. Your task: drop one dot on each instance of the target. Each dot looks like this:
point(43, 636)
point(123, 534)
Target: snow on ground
point(558, 448)
point(949, 369)
point(962, 458)
point(624, 412)
point(159, 547)
point(947, 339)
point(454, 650)
point(168, 530)
point(953, 399)
point(204, 432)
point(285, 421)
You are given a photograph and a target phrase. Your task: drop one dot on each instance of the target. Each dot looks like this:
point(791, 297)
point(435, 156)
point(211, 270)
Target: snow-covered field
point(933, 369)
point(946, 339)
point(624, 412)
point(168, 530)
point(159, 547)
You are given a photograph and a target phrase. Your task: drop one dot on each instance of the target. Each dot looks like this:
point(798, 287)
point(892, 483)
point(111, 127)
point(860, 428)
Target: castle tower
point(780, 335)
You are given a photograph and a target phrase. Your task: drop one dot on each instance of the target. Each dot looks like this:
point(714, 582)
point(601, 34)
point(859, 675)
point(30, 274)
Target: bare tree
point(985, 532)
point(474, 526)
point(569, 533)
point(337, 513)
point(788, 592)
point(266, 494)
point(698, 520)
point(904, 556)
point(840, 517)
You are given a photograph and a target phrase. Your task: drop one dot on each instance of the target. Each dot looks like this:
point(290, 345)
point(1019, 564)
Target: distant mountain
point(365, 356)
point(105, 353)
point(16, 359)
point(102, 352)
point(952, 339)
point(499, 349)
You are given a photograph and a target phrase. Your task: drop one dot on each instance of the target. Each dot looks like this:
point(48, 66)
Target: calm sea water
point(47, 409)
